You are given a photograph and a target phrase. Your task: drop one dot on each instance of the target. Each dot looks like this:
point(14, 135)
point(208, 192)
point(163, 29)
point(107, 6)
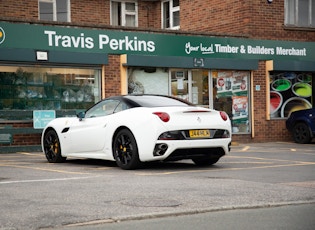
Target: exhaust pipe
point(160, 149)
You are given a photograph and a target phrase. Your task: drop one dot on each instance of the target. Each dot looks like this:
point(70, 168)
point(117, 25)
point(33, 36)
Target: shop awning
point(191, 62)
point(53, 57)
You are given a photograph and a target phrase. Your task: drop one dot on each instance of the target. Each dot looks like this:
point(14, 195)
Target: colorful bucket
point(281, 85)
point(276, 100)
point(306, 78)
point(294, 104)
point(301, 89)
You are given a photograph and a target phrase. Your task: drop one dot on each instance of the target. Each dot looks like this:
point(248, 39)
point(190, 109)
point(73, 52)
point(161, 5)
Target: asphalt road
point(287, 217)
point(82, 194)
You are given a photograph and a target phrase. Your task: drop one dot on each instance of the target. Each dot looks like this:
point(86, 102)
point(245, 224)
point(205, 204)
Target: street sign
point(42, 117)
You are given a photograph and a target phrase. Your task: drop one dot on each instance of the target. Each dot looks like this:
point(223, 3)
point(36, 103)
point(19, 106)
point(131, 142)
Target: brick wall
point(214, 16)
point(19, 9)
point(25, 138)
point(90, 12)
point(267, 22)
point(149, 15)
point(112, 83)
point(254, 19)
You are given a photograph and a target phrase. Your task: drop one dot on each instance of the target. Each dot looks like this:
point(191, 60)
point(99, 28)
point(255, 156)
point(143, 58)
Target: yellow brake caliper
point(123, 149)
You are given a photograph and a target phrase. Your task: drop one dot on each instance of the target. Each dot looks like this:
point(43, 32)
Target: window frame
point(171, 12)
point(55, 13)
point(124, 13)
point(292, 7)
point(106, 107)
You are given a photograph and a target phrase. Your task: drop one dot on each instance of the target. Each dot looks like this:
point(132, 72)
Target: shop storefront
point(226, 90)
point(61, 69)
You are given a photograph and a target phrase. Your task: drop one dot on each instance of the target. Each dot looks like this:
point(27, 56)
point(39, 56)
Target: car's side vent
point(65, 130)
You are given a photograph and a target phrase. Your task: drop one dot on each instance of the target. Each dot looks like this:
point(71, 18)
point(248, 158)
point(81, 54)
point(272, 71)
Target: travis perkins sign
point(39, 37)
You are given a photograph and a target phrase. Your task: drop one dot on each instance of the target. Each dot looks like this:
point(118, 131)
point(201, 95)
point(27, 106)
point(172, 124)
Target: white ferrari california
point(133, 129)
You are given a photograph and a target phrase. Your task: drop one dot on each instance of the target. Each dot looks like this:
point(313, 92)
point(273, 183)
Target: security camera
point(269, 1)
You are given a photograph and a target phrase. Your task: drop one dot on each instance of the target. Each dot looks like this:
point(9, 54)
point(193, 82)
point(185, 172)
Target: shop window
point(290, 91)
point(54, 10)
point(300, 13)
point(180, 84)
point(148, 80)
point(191, 85)
point(124, 13)
point(170, 14)
point(231, 94)
point(45, 88)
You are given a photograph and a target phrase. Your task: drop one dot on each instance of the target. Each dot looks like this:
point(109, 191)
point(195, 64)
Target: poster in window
point(232, 96)
point(289, 92)
point(239, 107)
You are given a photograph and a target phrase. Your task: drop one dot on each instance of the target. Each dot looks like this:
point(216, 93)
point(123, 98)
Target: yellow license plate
point(199, 133)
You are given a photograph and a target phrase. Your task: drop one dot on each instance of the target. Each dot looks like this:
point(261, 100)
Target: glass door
point(231, 93)
point(200, 87)
point(191, 85)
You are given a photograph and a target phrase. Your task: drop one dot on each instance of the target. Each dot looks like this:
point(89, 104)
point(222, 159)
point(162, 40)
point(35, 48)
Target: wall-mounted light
point(269, 1)
point(41, 55)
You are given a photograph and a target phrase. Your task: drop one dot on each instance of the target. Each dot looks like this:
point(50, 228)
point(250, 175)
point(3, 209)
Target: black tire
point(205, 161)
point(125, 150)
point(52, 147)
point(301, 133)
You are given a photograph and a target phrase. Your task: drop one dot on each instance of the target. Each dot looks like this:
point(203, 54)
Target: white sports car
point(132, 129)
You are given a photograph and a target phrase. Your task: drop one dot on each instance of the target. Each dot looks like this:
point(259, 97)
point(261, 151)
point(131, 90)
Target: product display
point(47, 89)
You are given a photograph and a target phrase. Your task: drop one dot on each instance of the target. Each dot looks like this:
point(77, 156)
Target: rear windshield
point(156, 101)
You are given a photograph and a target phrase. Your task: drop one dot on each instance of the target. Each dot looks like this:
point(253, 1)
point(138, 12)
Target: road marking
point(247, 162)
point(45, 180)
point(30, 154)
point(263, 159)
point(93, 222)
point(245, 148)
point(102, 168)
point(248, 148)
point(44, 169)
point(256, 160)
point(227, 169)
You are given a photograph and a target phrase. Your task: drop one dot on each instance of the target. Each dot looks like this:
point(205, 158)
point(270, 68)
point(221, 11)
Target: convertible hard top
point(150, 100)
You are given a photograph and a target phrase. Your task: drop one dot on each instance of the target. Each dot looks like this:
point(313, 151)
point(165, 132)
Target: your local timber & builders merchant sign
point(38, 37)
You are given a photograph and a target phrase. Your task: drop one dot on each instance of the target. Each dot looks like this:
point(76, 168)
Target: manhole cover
point(152, 202)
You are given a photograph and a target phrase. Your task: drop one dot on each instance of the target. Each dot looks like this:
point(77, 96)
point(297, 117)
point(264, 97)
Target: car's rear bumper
point(187, 149)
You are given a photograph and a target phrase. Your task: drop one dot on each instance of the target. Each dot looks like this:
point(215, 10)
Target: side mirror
point(81, 115)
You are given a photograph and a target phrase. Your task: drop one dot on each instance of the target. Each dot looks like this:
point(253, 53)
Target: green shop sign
point(39, 37)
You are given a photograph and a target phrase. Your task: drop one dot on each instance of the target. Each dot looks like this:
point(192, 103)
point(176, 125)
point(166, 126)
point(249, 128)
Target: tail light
point(223, 115)
point(163, 116)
